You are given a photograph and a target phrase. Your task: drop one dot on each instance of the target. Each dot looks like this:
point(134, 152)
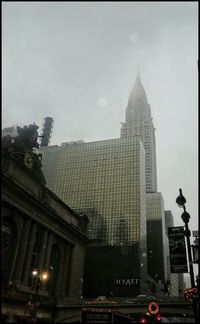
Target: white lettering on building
point(127, 282)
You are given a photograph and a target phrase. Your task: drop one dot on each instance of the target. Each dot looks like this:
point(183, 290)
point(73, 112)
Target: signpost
point(177, 249)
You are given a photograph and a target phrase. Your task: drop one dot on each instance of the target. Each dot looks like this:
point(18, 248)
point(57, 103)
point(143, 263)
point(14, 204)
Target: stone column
point(27, 270)
point(66, 270)
point(59, 284)
point(46, 266)
point(76, 271)
point(62, 278)
point(48, 252)
point(42, 250)
point(22, 251)
point(20, 223)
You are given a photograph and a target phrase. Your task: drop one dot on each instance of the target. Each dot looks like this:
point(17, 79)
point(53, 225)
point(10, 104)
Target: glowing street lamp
point(40, 276)
point(35, 272)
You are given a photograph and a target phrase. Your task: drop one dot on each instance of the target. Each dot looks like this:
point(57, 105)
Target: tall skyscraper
point(139, 122)
point(114, 182)
point(106, 181)
point(156, 253)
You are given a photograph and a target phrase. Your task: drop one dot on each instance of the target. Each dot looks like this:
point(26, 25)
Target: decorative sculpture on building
point(20, 149)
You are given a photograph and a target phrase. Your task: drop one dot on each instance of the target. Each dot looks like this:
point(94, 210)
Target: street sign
point(177, 249)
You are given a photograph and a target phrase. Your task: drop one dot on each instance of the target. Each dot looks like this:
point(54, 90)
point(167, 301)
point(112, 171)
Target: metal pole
point(187, 235)
point(37, 288)
point(36, 299)
point(180, 200)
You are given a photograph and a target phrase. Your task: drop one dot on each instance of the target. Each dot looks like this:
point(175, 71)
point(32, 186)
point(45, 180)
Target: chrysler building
point(139, 122)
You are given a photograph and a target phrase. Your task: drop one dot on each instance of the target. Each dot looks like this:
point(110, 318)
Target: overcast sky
point(77, 62)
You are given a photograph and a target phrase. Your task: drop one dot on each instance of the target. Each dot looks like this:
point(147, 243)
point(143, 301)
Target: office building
point(103, 180)
point(138, 121)
point(156, 253)
point(106, 181)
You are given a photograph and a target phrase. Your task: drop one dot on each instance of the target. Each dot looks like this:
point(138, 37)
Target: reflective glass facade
point(106, 181)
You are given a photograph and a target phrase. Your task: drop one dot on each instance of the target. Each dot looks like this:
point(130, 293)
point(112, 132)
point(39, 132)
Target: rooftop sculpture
point(20, 149)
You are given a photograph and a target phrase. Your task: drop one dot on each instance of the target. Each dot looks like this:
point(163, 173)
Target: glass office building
point(106, 181)
point(157, 240)
point(138, 121)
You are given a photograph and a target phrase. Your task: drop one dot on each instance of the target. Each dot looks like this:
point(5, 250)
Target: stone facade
point(38, 231)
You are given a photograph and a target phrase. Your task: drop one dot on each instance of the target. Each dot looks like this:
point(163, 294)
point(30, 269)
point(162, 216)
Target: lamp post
point(180, 200)
point(39, 276)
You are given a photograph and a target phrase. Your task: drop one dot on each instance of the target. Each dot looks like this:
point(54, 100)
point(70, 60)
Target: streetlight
point(180, 200)
point(40, 276)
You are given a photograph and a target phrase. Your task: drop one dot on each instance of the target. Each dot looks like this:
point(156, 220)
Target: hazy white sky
point(77, 62)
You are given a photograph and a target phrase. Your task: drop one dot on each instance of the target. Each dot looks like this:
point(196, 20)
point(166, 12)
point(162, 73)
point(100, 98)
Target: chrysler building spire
point(139, 122)
point(137, 91)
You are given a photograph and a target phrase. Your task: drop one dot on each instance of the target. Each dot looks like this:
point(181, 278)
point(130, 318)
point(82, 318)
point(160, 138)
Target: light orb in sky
point(133, 37)
point(102, 102)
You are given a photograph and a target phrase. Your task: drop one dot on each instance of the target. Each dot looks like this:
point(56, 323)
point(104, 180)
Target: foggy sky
point(77, 62)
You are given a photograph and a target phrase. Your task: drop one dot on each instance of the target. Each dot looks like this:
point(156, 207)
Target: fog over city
point(77, 62)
